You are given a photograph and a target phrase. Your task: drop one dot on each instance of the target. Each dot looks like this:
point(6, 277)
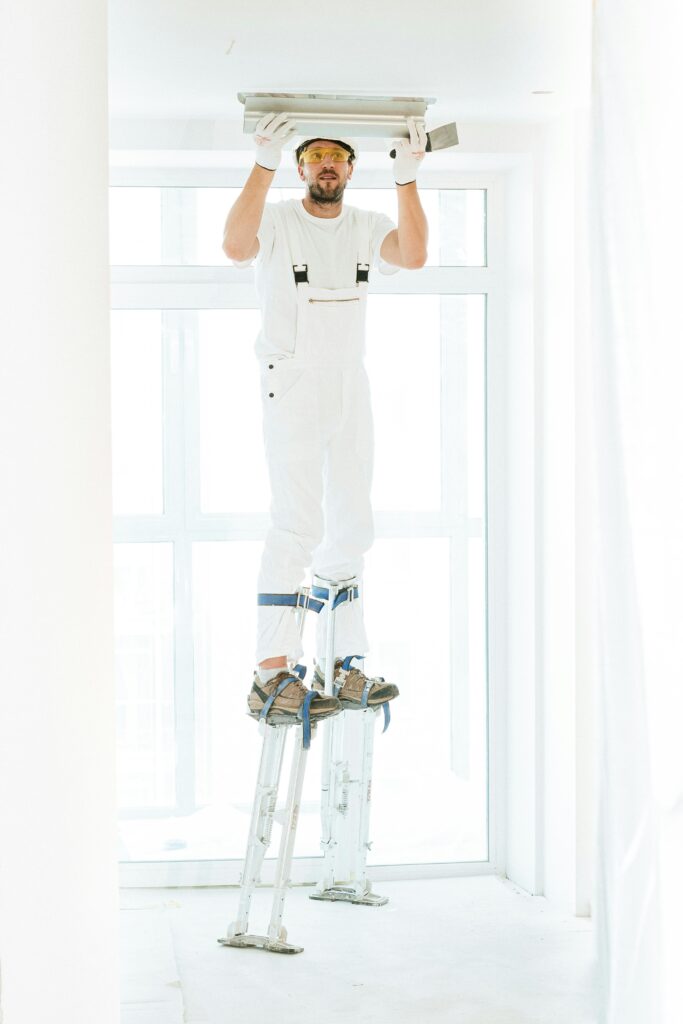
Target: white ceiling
point(481, 59)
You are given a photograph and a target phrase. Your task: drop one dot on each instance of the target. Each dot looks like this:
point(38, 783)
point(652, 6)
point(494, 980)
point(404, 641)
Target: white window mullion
point(175, 488)
point(499, 305)
point(191, 410)
point(229, 288)
point(178, 232)
point(454, 477)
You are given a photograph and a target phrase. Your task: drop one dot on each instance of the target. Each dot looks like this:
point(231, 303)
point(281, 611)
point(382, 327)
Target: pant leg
point(349, 523)
point(294, 456)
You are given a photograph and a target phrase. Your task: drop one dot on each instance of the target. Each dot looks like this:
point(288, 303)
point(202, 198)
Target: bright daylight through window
point(191, 510)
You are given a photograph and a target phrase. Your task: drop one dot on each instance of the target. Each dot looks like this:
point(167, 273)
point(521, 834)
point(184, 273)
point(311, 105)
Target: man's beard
point(326, 194)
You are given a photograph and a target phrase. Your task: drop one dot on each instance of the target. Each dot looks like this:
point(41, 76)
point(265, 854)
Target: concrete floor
point(473, 950)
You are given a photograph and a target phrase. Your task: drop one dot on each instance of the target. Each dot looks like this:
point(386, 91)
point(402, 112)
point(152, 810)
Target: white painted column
point(517, 501)
point(586, 590)
point(556, 528)
point(58, 870)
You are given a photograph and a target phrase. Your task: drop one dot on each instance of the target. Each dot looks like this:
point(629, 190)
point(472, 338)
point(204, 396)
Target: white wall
point(555, 536)
point(58, 879)
point(586, 596)
point(566, 667)
point(547, 684)
point(545, 687)
point(550, 771)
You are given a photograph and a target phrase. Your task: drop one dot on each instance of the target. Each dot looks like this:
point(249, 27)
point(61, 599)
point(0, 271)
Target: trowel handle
point(428, 147)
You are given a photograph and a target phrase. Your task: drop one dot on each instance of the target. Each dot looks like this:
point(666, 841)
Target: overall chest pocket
point(331, 326)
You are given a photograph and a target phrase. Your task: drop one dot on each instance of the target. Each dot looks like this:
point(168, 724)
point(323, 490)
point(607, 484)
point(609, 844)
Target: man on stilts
point(313, 260)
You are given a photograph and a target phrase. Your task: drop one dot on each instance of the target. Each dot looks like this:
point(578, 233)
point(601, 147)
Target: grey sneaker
point(353, 688)
point(289, 702)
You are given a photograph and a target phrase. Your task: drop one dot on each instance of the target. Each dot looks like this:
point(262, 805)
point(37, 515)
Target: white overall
point(318, 434)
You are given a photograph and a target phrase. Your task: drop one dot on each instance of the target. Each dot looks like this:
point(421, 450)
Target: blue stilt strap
point(346, 663)
point(296, 600)
point(348, 594)
point(280, 687)
point(278, 599)
point(345, 595)
point(306, 601)
point(304, 714)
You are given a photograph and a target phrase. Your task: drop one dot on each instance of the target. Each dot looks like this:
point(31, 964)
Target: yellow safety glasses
point(318, 154)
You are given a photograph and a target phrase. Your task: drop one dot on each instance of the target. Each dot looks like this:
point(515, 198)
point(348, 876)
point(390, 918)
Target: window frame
point(178, 291)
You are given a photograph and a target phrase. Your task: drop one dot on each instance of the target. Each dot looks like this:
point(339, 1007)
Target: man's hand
point(409, 153)
point(270, 134)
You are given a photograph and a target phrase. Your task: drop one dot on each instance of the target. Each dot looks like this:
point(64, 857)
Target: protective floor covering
point(461, 950)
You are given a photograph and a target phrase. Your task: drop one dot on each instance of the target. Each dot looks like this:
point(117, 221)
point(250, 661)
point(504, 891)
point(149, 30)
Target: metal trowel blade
point(442, 138)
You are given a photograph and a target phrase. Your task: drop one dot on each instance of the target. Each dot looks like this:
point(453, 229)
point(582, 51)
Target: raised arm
point(406, 246)
point(239, 235)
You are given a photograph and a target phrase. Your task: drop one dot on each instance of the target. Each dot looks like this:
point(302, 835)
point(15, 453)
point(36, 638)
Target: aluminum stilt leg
point(264, 812)
point(346, 778)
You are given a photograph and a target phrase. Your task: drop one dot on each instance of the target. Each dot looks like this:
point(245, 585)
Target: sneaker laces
point(355, 675)
point(298, 686)
point(276, 680)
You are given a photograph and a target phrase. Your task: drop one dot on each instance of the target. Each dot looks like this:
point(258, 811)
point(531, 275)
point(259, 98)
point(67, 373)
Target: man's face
point(327, 180)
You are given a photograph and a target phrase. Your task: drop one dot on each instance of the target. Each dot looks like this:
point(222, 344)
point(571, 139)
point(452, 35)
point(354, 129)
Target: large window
point(155, 225)
point(191, 505)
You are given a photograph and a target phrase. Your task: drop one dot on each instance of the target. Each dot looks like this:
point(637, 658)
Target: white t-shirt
point(331, 255)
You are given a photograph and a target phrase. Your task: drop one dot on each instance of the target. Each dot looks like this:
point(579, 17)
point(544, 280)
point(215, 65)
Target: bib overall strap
point(363, 264)
point(297, 245)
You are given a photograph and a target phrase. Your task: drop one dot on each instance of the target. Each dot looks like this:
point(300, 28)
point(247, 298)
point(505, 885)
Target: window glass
point(404, 366)
point(134, 226)
point(184, 226)
point(427, 772)
point(187, 582)
point(231, 460)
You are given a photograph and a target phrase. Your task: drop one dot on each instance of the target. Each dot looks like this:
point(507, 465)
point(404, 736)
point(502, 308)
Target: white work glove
point(270, 134)
point(409, 153)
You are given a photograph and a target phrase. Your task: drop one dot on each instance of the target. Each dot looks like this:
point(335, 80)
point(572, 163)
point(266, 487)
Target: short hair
point(304, 145)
